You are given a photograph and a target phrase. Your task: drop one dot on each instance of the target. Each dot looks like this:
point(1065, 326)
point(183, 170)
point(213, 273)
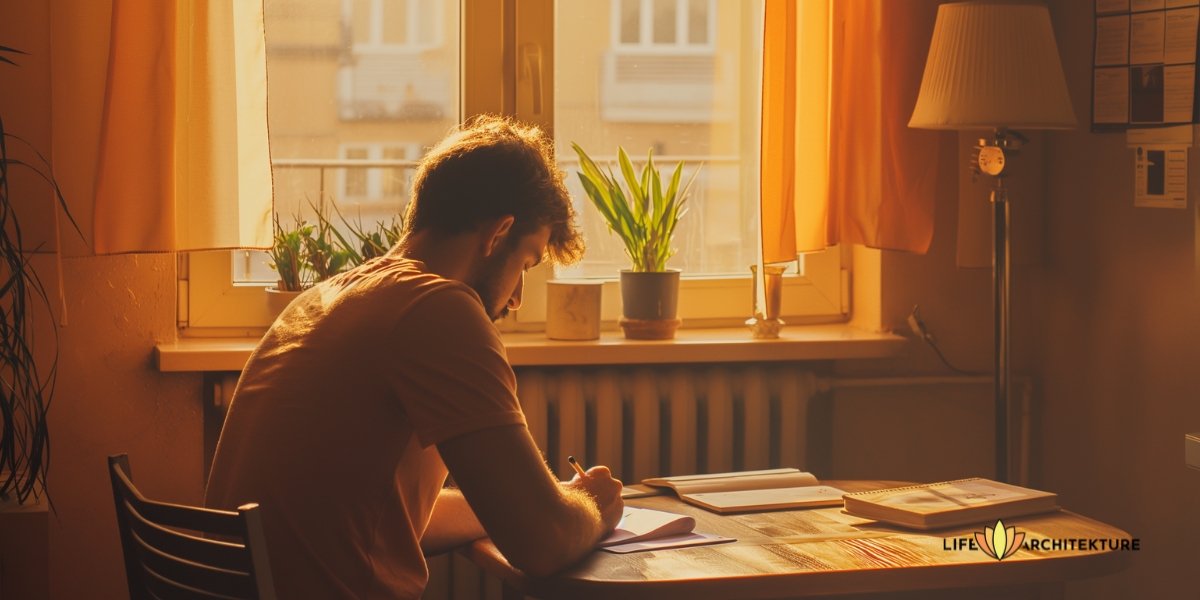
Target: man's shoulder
point(408, 279)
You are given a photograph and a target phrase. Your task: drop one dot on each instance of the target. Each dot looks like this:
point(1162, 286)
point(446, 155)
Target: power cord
point(917, 326)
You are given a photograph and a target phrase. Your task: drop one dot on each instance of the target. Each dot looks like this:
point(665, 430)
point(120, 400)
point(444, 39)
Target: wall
point(1106, 325)
point(110, 400)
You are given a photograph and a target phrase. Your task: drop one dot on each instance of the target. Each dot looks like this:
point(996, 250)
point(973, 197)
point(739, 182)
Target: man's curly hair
point(490, 167)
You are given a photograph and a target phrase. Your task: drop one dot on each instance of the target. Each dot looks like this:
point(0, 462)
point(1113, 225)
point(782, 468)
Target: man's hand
point(606, 491)
point(539, 523)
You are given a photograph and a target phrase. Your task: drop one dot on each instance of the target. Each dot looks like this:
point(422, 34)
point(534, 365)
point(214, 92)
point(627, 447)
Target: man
point(371, 384)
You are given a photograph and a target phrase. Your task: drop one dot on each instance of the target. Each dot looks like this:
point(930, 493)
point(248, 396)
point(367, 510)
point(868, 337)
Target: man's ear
point(495, 233)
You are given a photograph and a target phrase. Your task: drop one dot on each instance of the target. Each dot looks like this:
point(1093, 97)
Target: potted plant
point(644, 216)
point(288, 250)
point(306, 254)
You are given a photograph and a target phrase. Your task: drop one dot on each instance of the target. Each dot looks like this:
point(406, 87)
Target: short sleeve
point(452, 375)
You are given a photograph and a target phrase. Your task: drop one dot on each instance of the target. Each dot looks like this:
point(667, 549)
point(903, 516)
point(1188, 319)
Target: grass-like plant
point(26, 388)
point(306, 254)
point(326, 251)
point(288, 255)
point(643, 214)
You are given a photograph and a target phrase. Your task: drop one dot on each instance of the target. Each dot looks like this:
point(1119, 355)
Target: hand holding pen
point(599, 483)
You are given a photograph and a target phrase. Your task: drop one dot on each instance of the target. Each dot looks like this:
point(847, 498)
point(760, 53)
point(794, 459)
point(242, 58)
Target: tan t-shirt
point(334, 420)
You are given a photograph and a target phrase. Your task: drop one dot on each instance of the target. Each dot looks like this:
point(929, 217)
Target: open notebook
point(646, 529)
point(747, 491)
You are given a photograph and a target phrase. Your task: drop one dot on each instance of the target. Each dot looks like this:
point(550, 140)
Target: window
point(395, 25)
point(663, 25)
point(358, 91)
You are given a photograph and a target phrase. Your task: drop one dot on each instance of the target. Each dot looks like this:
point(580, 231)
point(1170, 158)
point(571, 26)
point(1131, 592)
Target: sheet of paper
point(1112, 40)
point(639, 522)
point(1111, 95)
point(1160, 177)
point(677, 541)
point(1179, 91)
point(1146, 36)
point(1179, 45)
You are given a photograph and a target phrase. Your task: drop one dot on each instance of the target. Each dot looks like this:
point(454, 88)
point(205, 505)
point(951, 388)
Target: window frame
point(212, 304)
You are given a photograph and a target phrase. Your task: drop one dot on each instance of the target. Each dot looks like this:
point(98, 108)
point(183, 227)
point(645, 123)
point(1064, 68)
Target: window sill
point(809, 342)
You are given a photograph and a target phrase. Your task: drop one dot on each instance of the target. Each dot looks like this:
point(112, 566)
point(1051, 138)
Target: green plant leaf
point(635, 189)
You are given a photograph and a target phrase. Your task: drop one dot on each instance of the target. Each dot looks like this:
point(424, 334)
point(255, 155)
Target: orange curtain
point(839, 163)
point(183, 162)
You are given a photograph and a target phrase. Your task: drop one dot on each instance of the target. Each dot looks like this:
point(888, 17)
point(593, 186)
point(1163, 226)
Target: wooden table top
point(815, 551)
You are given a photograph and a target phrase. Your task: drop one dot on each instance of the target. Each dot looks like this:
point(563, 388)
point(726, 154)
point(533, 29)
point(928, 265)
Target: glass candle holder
point(766, 324)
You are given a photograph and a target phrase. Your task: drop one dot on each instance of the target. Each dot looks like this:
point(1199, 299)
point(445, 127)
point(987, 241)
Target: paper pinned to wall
point(1160, 166)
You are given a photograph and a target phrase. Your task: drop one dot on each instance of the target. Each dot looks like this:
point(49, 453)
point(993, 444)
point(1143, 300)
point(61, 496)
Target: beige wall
point(1106, 324)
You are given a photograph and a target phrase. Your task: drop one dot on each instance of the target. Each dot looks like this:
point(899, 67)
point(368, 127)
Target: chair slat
point(184, 517)
point(164, 588)
point(215, 553)
point(163, 563)
point(237, 584)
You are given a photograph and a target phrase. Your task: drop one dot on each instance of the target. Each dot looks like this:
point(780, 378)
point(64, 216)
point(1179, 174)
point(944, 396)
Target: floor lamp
point(994, 67)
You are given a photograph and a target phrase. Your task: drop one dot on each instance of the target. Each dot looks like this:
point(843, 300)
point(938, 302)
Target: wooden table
point(819, 552)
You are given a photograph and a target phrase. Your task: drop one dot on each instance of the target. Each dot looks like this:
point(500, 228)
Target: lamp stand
point(1001, 279)
point(991, 157)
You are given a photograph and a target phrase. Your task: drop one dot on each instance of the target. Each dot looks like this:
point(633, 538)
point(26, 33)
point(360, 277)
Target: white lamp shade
point(993, 65)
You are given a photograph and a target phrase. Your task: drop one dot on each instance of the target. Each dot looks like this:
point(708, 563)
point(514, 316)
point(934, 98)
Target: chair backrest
point(186, 552)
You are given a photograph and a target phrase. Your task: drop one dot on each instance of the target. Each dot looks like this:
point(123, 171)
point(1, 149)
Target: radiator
point(648, 421)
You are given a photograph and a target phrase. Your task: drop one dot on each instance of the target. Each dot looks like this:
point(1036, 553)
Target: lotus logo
point(999, 542)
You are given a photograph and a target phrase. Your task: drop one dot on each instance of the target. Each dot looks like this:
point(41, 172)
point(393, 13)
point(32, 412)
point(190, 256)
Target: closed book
point(949, 503)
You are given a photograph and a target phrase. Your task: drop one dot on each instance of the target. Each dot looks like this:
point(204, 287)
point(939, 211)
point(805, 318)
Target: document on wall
point(1144, 63)
point(1160, 166)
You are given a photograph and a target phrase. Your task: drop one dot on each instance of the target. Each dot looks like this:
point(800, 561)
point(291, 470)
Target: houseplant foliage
point(26, 388)
point(305, 254)
point(644, 215)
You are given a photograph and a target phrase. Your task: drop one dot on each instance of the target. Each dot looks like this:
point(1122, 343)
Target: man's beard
point(487, 284)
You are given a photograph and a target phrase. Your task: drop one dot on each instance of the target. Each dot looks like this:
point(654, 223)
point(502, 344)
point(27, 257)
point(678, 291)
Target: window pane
point(356, 177)
point(325, 95)
point(426, 17)
point(360, 21)
point(698, 21)
point(395, 22)
point(683, 107)
point(664, 21)
point(395, 179)
point(631, 21)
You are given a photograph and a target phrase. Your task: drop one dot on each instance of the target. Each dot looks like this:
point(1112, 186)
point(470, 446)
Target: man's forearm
point(452, 524)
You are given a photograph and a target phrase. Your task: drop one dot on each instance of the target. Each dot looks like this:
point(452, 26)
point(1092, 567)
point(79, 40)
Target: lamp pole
point(991, 157)
point(1001, 280)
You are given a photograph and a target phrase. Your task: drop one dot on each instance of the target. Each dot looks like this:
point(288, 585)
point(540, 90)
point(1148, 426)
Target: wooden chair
point(167, 553)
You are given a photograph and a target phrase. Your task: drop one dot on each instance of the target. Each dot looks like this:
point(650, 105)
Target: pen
point(575, 465)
